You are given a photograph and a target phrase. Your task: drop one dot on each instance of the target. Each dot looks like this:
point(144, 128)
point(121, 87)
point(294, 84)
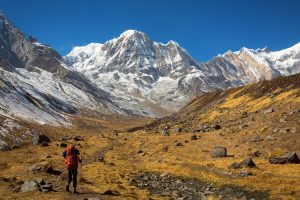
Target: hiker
point(72, 157)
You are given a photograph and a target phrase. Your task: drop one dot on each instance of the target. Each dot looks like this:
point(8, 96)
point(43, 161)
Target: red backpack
point(71, 158)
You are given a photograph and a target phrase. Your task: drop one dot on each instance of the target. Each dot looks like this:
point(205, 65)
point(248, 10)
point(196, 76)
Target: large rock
point(165, 132)
point(36, 185)
point(286, 158)
point(219, 152)
point(3, 146)
point(40, 139)
point(248, 162)
point(194, 137)
point(29, 186)
point(41, 167)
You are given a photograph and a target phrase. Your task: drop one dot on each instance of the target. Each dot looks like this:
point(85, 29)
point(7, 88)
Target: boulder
point(4, 146)
point(257, 138)
point(165, 149)
point(36, 185)
point(47, 187)
point(29, 186)
point(270, 110)
point(216, 127)
point(63, 145)
point(219, 152)
point(38, 139)
point(286, 158)
point(78, 138)
point(165, 132)
point(194, 137)
point(41, 167)
point(66, 138)
point(248, 162)
point(178, 144)
point(256, 154)
point(244, 114)
point(177, 130)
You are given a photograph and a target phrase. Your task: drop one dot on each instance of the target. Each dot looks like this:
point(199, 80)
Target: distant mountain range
point(130, 74)
point(150, 78)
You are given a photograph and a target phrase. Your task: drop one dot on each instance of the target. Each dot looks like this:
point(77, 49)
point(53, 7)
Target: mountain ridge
point(167, 75)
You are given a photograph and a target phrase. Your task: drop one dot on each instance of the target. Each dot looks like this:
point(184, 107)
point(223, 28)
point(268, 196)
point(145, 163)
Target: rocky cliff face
point(151, 78)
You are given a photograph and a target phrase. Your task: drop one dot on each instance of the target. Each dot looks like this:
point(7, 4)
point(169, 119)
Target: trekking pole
point(81, 171)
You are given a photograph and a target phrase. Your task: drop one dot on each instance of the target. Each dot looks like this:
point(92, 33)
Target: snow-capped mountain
point(151, 78)
point(37, 85)
point(146, 77)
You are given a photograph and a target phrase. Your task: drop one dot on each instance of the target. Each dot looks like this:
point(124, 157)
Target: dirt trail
point(174, 187)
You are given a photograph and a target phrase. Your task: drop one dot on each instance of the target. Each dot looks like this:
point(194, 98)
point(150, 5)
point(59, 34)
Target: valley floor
point(113, 161)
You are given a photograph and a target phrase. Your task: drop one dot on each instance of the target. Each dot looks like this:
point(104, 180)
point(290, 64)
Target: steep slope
point(151, 78)
point(37, 85)
point(252, 107)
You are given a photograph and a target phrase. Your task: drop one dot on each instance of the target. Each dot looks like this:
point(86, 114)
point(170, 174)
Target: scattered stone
point(270, 138)
point(140, 151)
point(66, 138)
point(275, 130)
point(243, 126)
point(286, 158)
point(270, 110)
point(194, 137)
point(165, 132)
point(111, 193)
point(38, 139)
point(216, 126)
point(178, 144)
point(248, 162)
point(78, 138)
point(219, 152)
point(3, 166)
point(165, 149)
point(179, 188)
point(244, 114)
point(246, 173)
point(257, 138)
point(63, 145)
point(177, 130)
point(256, 154)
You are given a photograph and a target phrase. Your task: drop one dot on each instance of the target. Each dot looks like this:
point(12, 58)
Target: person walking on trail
point(72, 158)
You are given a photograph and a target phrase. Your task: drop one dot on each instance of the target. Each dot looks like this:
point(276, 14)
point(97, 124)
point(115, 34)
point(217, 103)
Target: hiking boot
point(75, 191)
point(67, 188)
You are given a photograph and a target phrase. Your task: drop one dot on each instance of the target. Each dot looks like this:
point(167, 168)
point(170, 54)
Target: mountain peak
point(131, 32)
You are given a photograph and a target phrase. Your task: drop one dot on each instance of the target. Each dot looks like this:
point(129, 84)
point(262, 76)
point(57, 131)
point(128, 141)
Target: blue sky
point(203, 28)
